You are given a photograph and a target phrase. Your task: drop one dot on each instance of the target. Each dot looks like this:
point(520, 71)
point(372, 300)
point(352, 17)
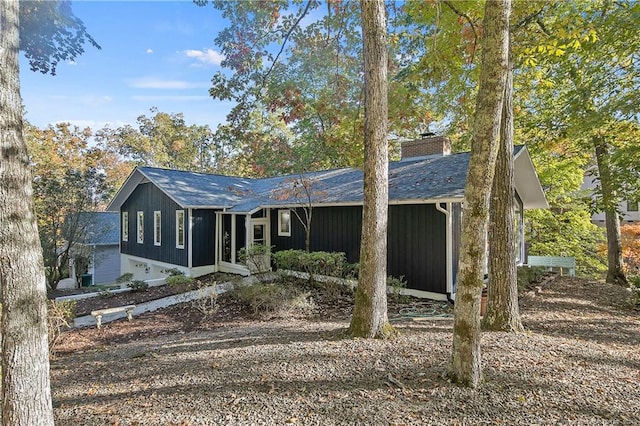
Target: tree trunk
point(503, 313)
point(466, 360)
point(370, 311)
point(615, 271)
point(26, 393)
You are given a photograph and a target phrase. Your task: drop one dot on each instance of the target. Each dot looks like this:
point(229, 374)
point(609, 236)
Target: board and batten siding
point(203, 231)
point(416, 249)
point(416, 240)
point(456, 214)
point(148, 198)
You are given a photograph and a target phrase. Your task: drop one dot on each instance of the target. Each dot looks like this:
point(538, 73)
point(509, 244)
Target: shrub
point(59, 317)
point(351, 271)
point(173, 272)
point(273, 300)
point(255, 257)
point(397, 284)
point(124, 278)
point(205, 304)
point(104, 294)
point(138, 285)
point(315, 263)
point(529, 275)
point(176, 280)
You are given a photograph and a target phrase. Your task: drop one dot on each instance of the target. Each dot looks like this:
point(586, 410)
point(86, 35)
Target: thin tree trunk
point(615, 270)
point(503, 313)
point(26, 394)
point(466, 368)
point(370, 311)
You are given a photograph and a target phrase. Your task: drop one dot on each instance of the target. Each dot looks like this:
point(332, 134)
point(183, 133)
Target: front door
point(260, 246)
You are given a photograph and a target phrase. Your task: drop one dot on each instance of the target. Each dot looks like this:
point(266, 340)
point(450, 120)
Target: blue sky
point(154, 54)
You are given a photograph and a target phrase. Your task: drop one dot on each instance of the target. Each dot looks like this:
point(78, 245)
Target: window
point(180, 229)
point(284, 223)
point(157, 228)
point(632, 206)
point(125, 226)
point(140, 227)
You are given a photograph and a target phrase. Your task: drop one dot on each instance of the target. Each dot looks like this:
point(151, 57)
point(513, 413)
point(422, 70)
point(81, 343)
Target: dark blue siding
point(416, 240)
point(204, 228)
point(148, 198)
point(456, 214)
point(417, 246)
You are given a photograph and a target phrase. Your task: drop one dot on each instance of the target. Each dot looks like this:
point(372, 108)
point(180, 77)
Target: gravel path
point(577, 364)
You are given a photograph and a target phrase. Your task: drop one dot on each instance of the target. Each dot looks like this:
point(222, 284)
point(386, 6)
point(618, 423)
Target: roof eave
point(527, 182)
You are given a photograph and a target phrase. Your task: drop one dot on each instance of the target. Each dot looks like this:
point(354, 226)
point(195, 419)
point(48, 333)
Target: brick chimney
point(428, 144)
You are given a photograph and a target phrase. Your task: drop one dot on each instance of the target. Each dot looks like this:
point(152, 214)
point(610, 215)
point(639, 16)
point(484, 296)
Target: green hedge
point(316, 263)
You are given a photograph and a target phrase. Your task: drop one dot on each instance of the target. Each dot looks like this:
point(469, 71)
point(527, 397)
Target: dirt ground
point(577, 363)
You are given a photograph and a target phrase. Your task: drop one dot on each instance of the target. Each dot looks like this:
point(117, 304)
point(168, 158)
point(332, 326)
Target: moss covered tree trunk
point(466, 366)
point(615, 265)
point(26, 394)
point(370, 311)
point(503, 313)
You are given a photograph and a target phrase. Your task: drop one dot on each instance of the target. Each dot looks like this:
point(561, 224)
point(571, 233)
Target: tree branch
point(284, 43)
point(469, 20)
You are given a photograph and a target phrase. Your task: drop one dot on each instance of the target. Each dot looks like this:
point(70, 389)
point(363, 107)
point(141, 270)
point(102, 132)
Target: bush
point(124, 278)
point(273, 300)
point(255, 257)
point(314, 263)
point(59, 317)
point(397, 284)
point(176, 280)
point(173, 272)
point(206, 304)
point(138, 285)
point(529, 275)
point(351, 271)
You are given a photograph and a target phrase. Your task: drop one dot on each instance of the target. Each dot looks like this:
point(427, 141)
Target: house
point(95, 255)
point(198, 222)
point(628, 209)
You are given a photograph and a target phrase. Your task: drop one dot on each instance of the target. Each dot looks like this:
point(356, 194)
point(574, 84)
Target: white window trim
point(125, 226)
point(281, 232)
point(180, 213)
point(140, 227)
point(157, 228)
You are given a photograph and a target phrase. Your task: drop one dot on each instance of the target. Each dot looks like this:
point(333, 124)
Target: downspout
point(449, 248)
point(190, 249)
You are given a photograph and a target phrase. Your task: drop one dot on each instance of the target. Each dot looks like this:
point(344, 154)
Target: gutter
point(449, 248)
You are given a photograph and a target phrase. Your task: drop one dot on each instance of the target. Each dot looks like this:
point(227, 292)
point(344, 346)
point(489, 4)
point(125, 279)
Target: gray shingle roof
point(99, 228)
point(425, 179)
point(191, 189)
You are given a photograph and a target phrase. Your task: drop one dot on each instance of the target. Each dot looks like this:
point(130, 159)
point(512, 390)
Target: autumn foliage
point(631, 247)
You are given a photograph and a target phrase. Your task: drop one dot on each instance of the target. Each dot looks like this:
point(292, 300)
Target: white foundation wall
point(147, 269)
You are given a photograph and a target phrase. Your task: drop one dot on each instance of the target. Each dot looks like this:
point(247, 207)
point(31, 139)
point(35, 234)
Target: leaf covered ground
point(577, 363)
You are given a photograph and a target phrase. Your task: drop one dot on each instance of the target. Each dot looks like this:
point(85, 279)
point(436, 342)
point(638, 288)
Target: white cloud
point(207, 57)
point(149, 51)
point(158, 83)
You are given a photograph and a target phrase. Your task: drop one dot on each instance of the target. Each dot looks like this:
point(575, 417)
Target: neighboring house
point(198, 222)
point(95, 257)
point(628, 209)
